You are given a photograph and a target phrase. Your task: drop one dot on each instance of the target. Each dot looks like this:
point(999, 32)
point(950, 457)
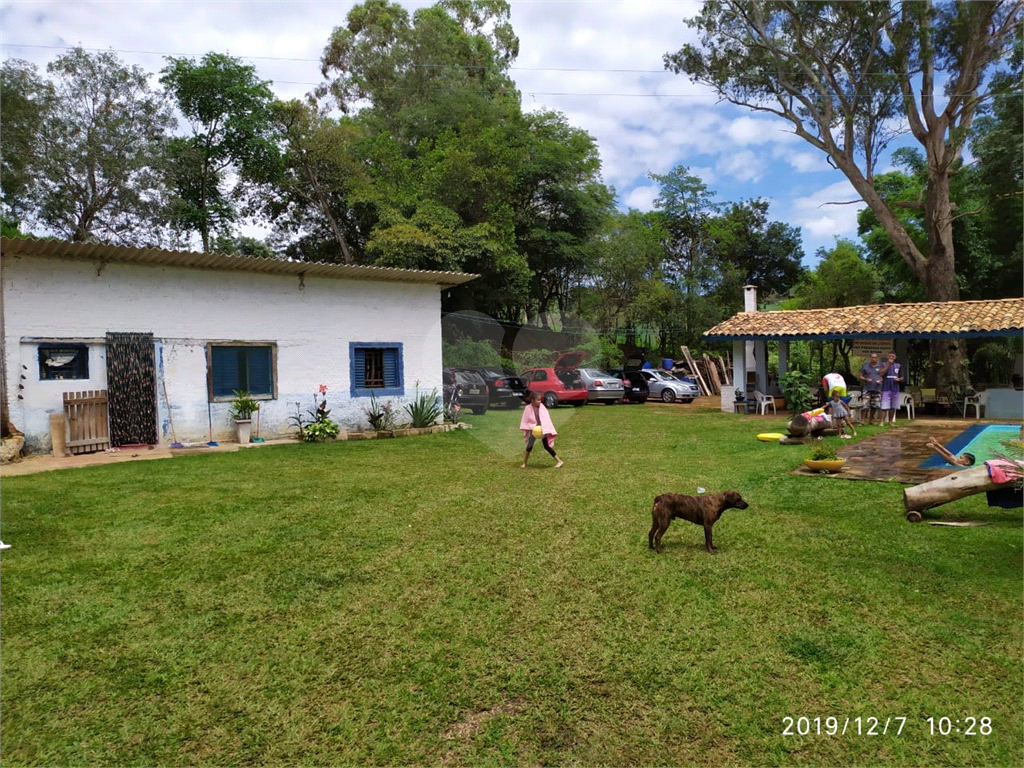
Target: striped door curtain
point(131, 384)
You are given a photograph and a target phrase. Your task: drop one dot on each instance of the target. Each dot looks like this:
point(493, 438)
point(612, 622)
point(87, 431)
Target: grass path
point(425, 601)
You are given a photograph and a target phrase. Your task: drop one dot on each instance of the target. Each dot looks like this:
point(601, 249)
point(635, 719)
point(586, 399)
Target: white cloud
point(822, 221)
point(641, 198)
point(599, 63)
point(745, 165)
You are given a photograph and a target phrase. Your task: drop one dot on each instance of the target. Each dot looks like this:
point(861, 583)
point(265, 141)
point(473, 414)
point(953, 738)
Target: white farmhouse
point(170, 335)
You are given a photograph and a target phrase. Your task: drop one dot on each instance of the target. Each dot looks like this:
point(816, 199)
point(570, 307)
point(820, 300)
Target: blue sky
point(597, 61)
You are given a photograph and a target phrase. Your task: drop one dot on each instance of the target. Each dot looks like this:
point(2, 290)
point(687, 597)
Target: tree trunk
point(965, 482)
point(947, 357)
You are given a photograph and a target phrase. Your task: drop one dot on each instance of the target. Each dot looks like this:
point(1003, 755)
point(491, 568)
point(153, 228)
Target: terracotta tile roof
point(999, 317)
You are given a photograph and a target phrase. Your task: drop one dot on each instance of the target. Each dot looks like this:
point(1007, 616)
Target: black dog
point(702, 510)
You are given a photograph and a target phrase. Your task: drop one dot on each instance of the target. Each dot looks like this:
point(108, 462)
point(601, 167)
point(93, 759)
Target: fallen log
point(965, 482)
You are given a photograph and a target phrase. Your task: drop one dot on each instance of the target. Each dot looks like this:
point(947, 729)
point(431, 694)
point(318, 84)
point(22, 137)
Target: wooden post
point(696, 371)
point(716, 383)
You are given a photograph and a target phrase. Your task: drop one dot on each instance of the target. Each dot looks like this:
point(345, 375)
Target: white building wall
point(310, 321)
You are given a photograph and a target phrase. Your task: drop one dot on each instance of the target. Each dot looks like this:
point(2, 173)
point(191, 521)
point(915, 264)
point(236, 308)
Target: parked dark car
point(634, 386)
point(506, 389)
point(474, 394)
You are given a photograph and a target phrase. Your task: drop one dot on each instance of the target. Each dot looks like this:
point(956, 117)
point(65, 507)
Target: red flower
point(323, 388)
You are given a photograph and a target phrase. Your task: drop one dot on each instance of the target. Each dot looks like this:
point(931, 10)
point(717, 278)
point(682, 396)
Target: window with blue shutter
point(246, 368)
point(376, 368)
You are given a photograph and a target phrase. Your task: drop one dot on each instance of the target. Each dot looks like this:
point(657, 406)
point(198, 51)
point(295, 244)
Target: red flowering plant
point(319, 427)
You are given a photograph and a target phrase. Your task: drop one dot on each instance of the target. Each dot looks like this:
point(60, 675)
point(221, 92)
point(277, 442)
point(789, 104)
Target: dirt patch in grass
point(471, 724)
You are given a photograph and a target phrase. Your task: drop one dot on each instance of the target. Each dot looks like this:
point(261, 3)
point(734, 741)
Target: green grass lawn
point(425, 601)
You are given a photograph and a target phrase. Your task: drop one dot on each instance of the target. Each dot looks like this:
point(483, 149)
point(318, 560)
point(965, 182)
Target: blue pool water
point(983, 440)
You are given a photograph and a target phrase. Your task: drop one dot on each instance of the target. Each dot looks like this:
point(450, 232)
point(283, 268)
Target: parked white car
point(668, 387)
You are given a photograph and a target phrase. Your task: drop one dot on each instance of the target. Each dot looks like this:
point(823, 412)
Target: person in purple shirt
point(892, 375)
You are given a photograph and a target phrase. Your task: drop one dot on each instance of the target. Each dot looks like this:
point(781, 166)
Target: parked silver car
point(602, 387)
point(668, 387)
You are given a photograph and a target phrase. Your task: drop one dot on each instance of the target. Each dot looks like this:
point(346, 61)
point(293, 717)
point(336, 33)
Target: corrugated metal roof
point(120, 254)
point(938, 319)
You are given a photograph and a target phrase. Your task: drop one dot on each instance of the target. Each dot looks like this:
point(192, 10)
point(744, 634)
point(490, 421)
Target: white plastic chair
point(976, 401)
point(763, 401)
point(907, 401)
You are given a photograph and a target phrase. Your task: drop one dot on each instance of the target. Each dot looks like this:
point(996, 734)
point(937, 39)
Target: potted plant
point(740, 396)
point(242, 409)
point(823, 458)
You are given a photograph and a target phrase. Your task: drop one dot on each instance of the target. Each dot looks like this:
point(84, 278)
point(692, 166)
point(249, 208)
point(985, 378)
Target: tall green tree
point(25, 101)
point(686, 207)
point(751, 250)
point(626, 256)
point(456, 176)
point(228, 109)
point(560, 204)
point(423, 74)
point(99, 131)
point(845, 75)
point(313, 194)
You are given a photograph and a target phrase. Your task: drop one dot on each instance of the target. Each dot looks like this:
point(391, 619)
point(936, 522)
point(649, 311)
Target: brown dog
point(702, 510)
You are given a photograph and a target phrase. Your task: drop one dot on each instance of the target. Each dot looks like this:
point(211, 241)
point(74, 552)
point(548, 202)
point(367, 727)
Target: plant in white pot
point(242, 409)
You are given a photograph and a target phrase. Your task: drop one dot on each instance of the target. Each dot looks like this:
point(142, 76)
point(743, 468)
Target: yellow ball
point(537, 431)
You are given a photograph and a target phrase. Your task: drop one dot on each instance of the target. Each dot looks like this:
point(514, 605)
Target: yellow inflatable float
point(770, 437)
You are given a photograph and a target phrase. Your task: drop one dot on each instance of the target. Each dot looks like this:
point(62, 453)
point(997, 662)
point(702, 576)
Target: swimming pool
point(983, 440)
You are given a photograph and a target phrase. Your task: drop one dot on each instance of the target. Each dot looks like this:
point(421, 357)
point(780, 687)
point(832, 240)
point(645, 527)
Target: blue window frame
point(245, 367)
point(376, 368)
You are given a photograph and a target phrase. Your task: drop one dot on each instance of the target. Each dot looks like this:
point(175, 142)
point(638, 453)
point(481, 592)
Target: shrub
point(380, 415)
point(822, 451)
point(243, 406)
point(424, 409)
point(320, 427)
point(795, 386)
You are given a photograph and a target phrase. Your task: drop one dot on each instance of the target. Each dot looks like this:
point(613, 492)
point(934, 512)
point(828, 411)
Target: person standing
point(871, 397)
point(840, 414)
point(536, 417)
point(892, 375)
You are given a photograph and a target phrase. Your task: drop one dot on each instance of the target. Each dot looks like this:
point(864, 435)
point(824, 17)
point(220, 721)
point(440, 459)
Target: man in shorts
point(892, 375)
point(871, 397)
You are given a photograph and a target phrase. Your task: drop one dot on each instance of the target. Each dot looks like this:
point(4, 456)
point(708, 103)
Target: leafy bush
point(795, 386)
point(992, 363)
point(243, 406)
point(320, 427)
point(465, 353)
point(424, 410)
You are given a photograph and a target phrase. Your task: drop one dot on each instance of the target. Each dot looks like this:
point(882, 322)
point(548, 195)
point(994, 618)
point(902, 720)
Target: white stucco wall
point(311, 324)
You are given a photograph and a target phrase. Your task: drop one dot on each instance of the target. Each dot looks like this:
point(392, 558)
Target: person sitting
point(963, 460)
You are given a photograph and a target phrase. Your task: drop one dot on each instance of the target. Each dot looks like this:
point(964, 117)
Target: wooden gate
point(87, 429)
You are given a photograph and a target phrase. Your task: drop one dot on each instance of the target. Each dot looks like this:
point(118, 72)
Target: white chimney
point(750, 305)
point(750, 298)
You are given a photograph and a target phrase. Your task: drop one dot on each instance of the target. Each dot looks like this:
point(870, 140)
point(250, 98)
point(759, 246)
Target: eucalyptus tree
point(84, 146)
point(232, 143)
point(25, 100)
point(847, 76)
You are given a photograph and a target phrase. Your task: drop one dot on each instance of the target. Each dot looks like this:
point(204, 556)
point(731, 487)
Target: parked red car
point(560, 383)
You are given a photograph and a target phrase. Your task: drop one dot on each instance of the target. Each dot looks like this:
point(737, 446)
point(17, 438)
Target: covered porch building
point(750, 331)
